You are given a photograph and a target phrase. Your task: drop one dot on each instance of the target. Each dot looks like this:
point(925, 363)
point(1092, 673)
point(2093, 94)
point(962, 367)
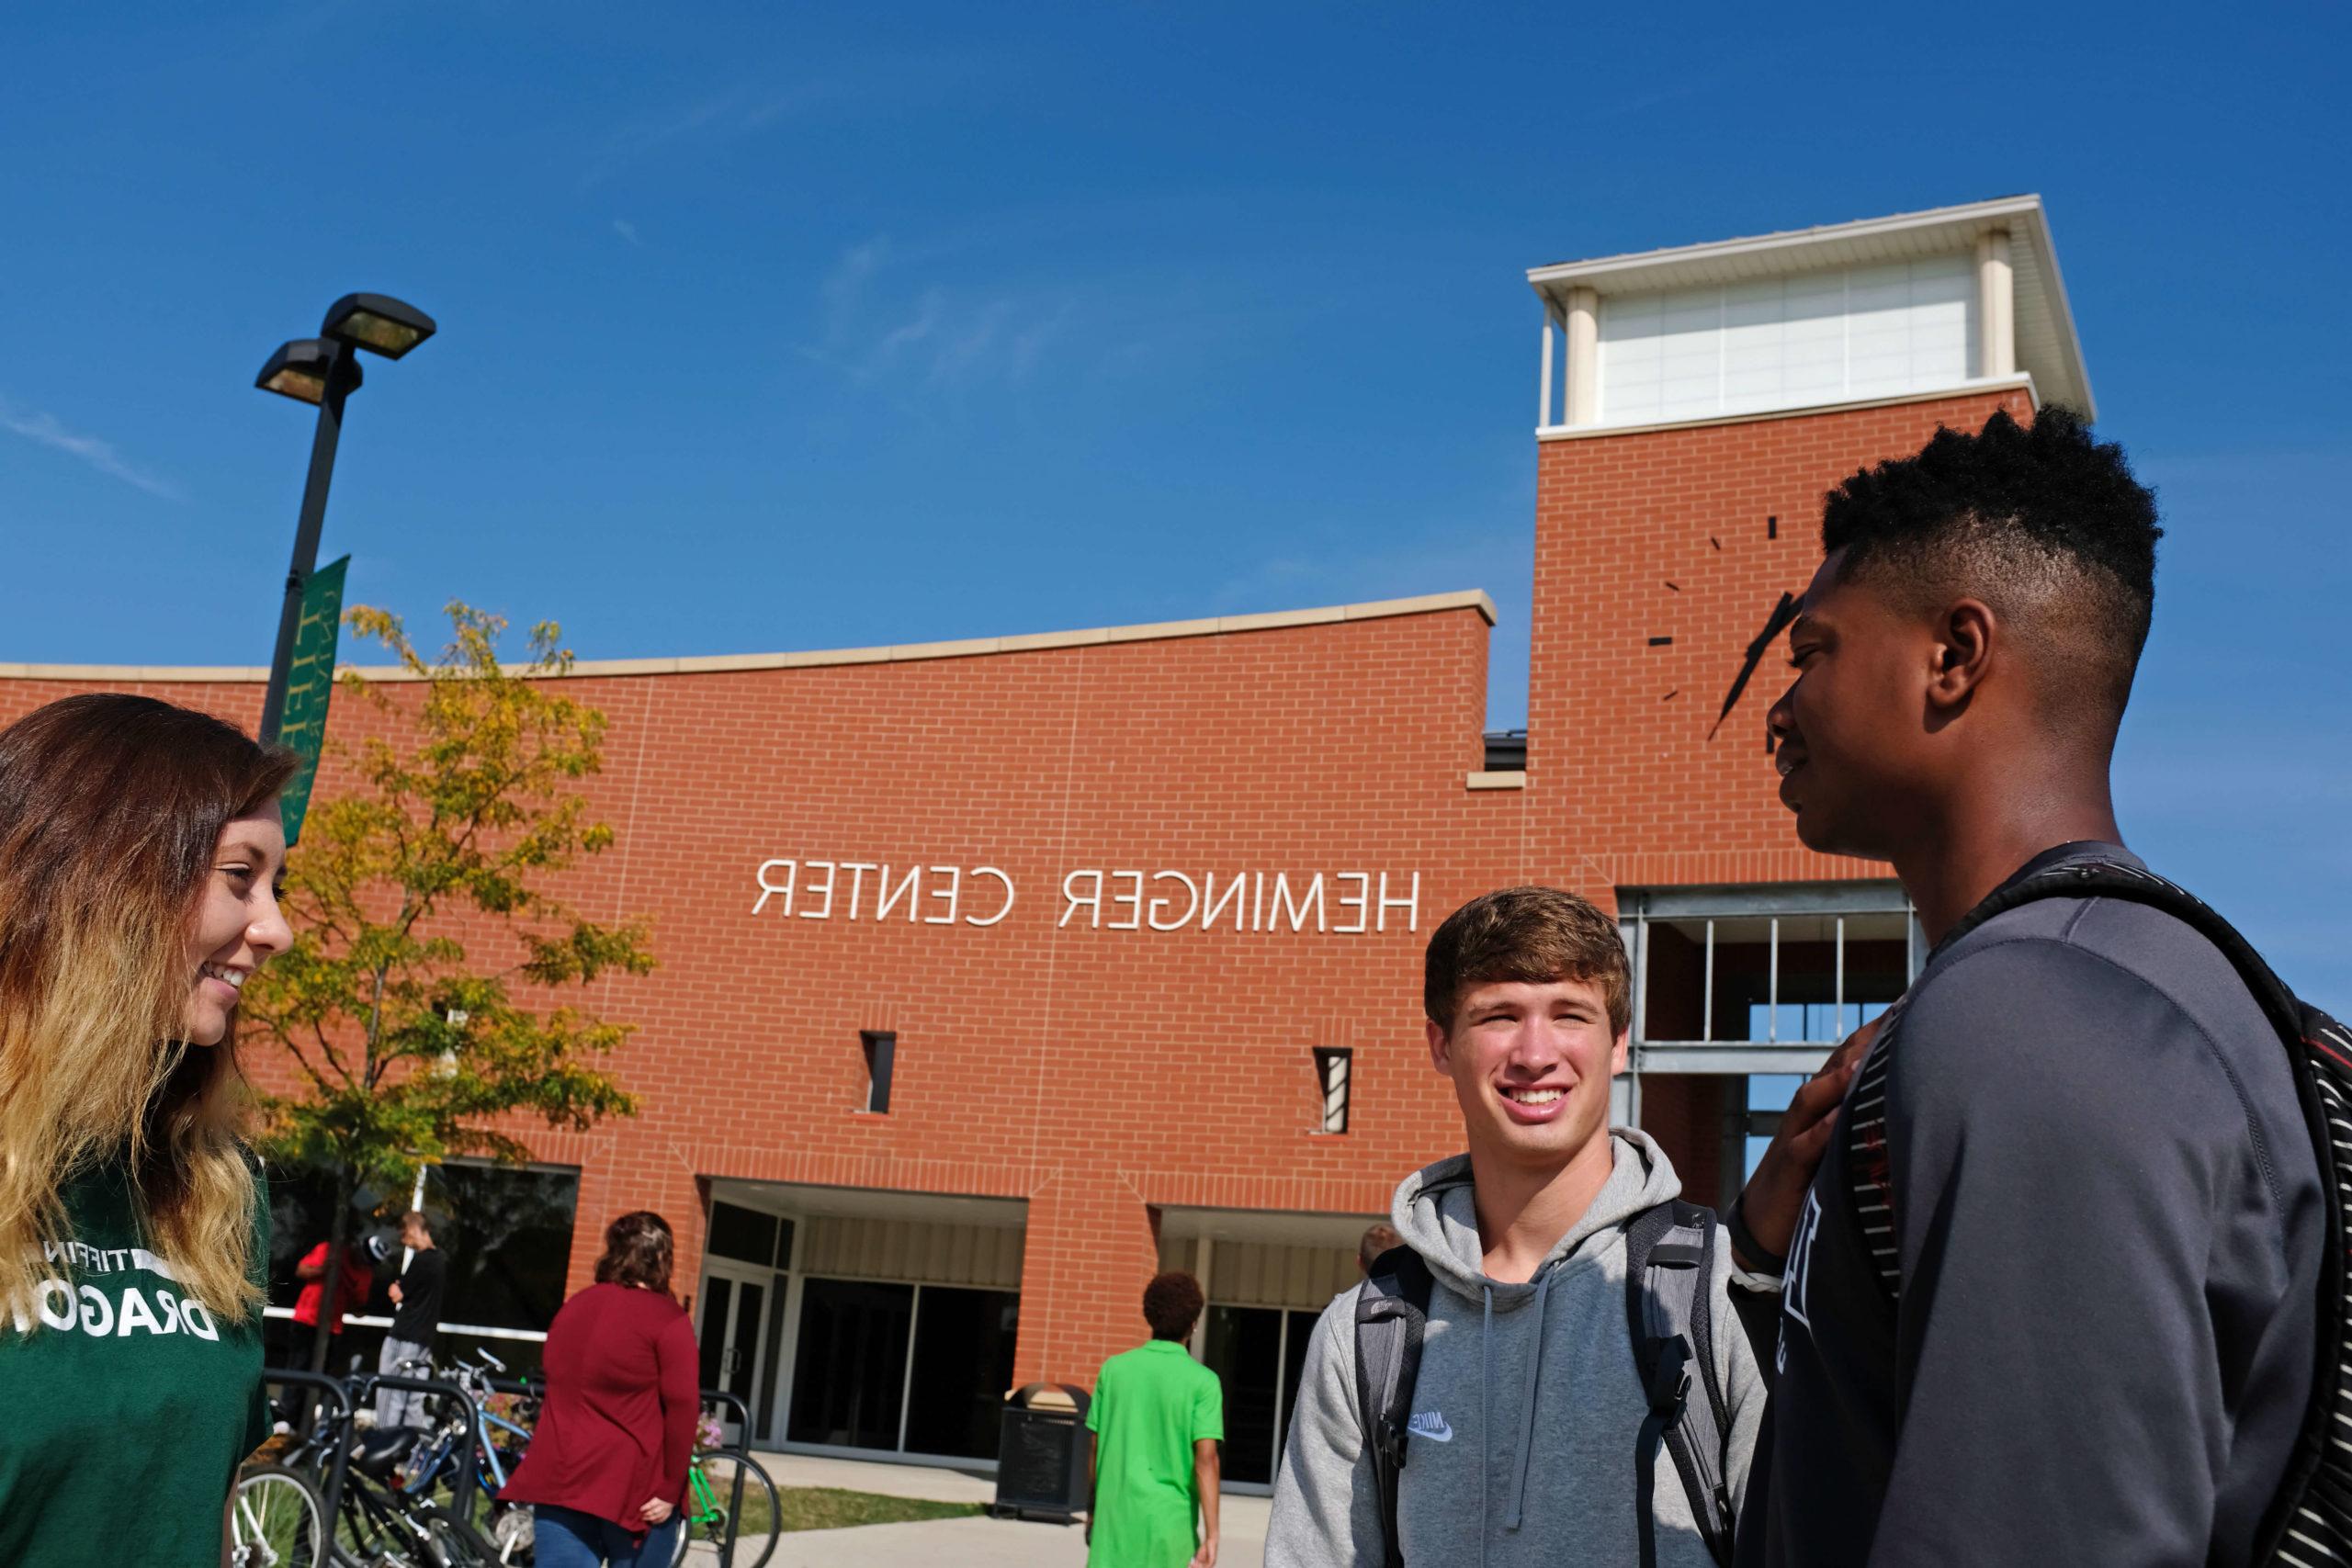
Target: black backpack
point(1669, 1276)
point(2310, 1521)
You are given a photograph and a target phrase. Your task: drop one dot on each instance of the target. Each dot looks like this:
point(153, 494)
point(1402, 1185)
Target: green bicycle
point(724, 1486)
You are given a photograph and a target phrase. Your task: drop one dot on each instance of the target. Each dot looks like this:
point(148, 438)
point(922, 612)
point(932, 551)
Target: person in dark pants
point(2050, 1295)
point(416, 1317)
point(607, 1468)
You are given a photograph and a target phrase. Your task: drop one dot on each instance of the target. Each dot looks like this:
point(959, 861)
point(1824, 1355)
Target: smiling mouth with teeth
point(233, 978)
point(1533, 1096)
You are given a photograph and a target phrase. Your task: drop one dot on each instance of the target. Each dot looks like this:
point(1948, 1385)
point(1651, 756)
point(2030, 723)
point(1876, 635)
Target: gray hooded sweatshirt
point(1527, 1407)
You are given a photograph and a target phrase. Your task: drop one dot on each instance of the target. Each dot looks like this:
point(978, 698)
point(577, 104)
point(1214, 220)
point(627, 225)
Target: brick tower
point(1695, 403)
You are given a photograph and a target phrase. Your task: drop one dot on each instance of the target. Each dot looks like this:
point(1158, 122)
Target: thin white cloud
point(885, 85)
point(929, 311)
point(641, 139)
point(626, 231)
point(844, 290)
point(42, 429)
point(948, 340)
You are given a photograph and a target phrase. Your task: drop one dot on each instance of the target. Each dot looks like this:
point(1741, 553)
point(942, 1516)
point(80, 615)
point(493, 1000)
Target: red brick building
point(996, 975)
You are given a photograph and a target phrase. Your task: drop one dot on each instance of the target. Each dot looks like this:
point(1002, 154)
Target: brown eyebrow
point(260, 852)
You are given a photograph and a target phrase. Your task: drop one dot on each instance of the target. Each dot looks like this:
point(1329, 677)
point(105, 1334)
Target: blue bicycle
point(498, 1443)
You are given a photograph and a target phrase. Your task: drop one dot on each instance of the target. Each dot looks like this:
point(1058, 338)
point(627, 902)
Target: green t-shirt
point(129, 1406)
point(1150, 1406)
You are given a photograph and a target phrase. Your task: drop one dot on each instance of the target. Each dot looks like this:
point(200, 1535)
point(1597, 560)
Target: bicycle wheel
point(512, 1531)
point(450, 1542)
point(275, 1520)
point(368, 1534)
point(704, 1542)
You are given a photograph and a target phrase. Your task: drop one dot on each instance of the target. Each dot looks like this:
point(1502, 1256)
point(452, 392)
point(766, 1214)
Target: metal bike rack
point(332, 1502)
point(735, 1501)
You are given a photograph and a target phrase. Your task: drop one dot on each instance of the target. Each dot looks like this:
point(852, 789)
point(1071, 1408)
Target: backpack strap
point(1669, 1280)
point(1863, 1127)
point(1391, 1312)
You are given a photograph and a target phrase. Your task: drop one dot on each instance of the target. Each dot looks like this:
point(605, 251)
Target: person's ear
point(1962, 654)
point(1440, 1047)
point(1619, 1054)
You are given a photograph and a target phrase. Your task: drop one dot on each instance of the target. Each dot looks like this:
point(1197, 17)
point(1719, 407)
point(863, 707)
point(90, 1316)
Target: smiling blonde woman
point(139, 850)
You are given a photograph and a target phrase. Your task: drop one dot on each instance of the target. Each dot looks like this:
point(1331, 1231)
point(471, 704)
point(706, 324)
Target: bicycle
point(498, 1445)
point(276, 1519)
point(712, 1520)
point(380, 1523)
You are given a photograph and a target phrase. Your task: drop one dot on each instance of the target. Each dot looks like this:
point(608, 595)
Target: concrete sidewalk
point(962, 1543)
point(938, 1484)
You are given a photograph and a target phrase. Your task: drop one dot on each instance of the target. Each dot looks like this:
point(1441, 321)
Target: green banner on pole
point(303, 729)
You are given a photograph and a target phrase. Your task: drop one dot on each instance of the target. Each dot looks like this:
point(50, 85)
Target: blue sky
point(772, 327)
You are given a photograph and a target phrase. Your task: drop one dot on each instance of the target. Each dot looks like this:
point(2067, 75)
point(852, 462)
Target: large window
point(963, 1365)
point(505, 1230)
point(1761, 979)
point(1738, 993)
point(910, 1369)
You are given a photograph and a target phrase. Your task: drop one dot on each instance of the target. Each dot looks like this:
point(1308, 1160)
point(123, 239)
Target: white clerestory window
point(1817, 337)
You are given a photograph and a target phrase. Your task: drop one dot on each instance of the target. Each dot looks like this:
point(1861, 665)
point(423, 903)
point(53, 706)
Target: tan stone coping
point(708, 664)
point(1514, 779)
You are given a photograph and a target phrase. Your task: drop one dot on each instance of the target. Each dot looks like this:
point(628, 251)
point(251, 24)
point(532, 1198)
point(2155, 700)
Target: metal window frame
point(881, 1051)
point(1198, 1346)
point(1771, 902)
point(1338, 1095)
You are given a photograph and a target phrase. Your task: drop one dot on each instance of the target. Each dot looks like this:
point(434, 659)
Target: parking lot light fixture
point(378, 324)
point(300, 370)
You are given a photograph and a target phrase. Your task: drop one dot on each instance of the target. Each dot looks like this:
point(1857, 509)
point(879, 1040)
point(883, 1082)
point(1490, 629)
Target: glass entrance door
point(902, 1368)
point(1259, 1353)
point(849, 1387)
point(735, 1306)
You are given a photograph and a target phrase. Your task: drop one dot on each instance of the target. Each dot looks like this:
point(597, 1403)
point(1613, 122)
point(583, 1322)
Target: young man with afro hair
point(2050, 1295)
point(1157, 1417)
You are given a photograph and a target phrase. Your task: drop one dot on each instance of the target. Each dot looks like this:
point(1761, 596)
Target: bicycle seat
point(376, 1454)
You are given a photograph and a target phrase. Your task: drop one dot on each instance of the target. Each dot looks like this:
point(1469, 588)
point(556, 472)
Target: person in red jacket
point(607, 1468)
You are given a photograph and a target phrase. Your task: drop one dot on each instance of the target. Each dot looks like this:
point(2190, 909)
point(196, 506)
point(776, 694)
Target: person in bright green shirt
point(140, 847)
point(1157, 1416)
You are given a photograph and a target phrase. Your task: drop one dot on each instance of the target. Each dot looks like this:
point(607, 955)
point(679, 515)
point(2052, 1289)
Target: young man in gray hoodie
point(1528, 1409)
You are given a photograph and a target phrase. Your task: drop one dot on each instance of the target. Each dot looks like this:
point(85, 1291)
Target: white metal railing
point(473, 1330)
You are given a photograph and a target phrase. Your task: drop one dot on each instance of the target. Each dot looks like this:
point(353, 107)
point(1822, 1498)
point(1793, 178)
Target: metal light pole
point(325, 370)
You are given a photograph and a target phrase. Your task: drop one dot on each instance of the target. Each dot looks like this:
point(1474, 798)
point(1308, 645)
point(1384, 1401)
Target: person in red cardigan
point(607, 1468)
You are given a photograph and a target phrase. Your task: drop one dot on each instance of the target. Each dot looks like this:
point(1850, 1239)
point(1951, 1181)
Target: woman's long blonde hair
point(112, 808)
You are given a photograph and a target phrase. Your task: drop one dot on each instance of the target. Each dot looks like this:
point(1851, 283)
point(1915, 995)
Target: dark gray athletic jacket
point(2104, 1235)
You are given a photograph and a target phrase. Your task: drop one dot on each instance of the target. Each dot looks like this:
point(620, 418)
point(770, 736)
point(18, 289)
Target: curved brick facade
point(1100, 1074)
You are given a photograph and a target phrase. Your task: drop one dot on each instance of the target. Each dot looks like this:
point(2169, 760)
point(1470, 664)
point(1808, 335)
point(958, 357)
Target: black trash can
point(1041, 1456)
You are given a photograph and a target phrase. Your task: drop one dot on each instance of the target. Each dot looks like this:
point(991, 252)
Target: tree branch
point(309, 1071)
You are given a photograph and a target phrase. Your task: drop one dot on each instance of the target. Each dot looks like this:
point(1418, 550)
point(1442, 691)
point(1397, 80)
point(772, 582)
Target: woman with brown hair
point(140, 853)
point(606, 1467)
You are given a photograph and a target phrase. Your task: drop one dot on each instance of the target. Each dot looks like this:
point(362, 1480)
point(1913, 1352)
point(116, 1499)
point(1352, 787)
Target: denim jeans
point(566, 1538)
